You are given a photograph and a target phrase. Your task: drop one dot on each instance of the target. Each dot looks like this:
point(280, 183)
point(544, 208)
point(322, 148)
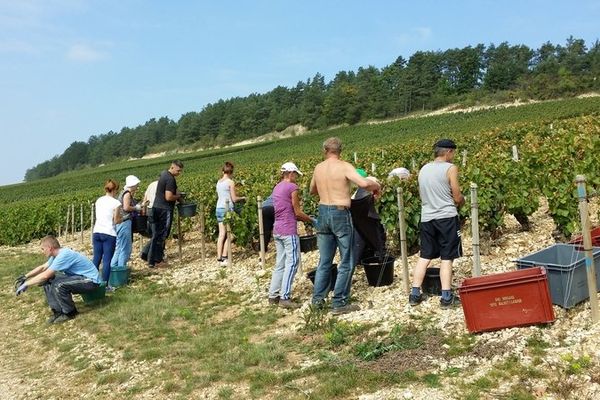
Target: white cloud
point(30, 27)
point(85, 53)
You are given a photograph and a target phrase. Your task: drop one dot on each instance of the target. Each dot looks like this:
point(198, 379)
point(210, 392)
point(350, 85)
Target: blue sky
point(70, 69)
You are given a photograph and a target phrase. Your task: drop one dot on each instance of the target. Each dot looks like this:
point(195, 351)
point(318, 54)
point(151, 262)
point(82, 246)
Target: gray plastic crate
point(567, 277)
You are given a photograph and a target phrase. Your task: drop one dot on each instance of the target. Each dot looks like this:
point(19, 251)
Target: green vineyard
point(555, 140)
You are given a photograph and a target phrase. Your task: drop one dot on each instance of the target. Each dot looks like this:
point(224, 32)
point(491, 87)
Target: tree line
point(427, 80)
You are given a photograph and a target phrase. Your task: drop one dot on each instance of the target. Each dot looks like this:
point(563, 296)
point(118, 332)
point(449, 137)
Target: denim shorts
point(220, 213)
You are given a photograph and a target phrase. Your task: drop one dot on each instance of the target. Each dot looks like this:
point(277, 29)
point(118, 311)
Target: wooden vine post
point(67, 223)
point(73, 221)
point(475, 231)
point(202, 247)
point(587, 245)
point(261, 231)
point(81, 223)
point(92, 223)
point(403, 247)
point(179, 235)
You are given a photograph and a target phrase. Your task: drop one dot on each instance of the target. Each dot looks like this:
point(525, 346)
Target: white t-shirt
point(150, 193)
point(105, 207)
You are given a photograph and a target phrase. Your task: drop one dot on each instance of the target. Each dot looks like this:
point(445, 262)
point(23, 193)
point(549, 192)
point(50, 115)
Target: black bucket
point(139, 224)
point(238, 206)
point(332, 278)
point(308, 243)
point(379, 273)
point(432, 283)
point(187, 210)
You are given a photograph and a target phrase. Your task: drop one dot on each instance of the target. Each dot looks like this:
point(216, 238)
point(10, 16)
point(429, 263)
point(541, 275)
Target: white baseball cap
point(290, 167)
point(401, 173)
point(131, 181)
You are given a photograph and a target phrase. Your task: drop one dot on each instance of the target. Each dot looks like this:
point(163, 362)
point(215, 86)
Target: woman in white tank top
point(225, 194)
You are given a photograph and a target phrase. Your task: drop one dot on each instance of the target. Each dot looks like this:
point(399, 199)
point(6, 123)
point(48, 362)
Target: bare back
point(331, 181)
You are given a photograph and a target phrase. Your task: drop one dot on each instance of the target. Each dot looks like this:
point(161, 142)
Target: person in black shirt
point(164, 203)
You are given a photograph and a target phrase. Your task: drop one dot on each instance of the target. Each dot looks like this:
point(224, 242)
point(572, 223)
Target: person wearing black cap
point(440, 227)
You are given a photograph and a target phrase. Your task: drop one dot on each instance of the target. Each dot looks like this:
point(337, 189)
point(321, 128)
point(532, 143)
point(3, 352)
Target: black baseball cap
point(445, 143)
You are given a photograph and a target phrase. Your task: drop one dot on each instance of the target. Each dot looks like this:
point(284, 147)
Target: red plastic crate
point(506, 300)
point(595, 233)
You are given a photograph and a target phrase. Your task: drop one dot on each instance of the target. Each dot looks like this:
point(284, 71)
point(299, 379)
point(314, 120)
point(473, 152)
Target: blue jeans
point(286, 266)
point(104, 249)
point(334, 231)
point(124, 243)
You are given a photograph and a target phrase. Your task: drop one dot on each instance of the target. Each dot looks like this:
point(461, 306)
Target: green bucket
point(119, 276)
point(94, 295)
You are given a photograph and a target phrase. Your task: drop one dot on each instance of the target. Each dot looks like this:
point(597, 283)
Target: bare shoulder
point(452, 172)
point(319, 165)
point(347, 166)
point(453, 168)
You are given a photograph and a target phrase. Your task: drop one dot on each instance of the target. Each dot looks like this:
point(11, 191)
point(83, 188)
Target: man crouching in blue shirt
point(66, 272)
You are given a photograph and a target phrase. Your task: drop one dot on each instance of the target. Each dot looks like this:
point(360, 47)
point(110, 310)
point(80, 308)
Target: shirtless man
point(331, 182)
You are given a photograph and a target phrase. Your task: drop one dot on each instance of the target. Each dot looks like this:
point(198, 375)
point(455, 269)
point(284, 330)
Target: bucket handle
point(382, 269)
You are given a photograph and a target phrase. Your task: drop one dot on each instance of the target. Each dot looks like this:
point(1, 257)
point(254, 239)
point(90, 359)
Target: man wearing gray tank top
point(440, 226)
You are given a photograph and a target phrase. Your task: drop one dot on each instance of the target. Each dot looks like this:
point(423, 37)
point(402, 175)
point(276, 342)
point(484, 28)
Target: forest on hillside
point(427, 80)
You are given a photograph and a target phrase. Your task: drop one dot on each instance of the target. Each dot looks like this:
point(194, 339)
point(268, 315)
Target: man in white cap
point(440, 227)
point(331, 182)
point(124, 235)
point(287, 243)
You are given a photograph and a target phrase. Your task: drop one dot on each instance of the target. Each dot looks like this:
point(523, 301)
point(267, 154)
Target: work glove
point(21, 289)
point(19, 281)
point(313, 221)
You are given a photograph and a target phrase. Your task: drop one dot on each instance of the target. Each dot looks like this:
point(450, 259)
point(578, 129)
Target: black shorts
point(440, 238)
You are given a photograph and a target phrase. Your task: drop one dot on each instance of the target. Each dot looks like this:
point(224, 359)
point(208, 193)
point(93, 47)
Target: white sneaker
point(223, 262)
